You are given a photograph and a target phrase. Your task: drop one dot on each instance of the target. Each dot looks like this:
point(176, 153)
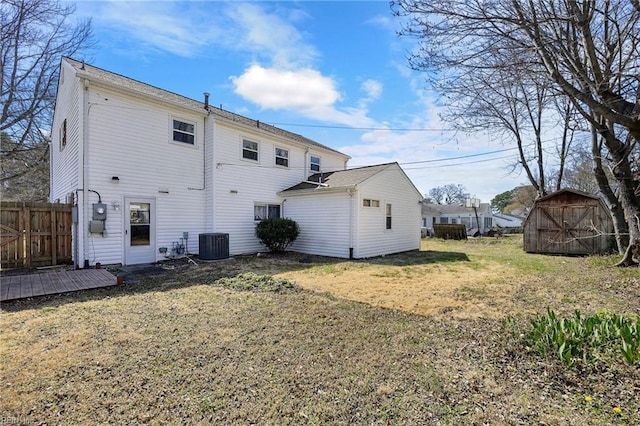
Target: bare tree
point(35, 35)
point(450, 193)
point(587, 50)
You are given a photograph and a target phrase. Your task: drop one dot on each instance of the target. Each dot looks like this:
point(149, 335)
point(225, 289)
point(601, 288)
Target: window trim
point(172, 130)
point(242, 150)
point(318, 164)
point(285, 158)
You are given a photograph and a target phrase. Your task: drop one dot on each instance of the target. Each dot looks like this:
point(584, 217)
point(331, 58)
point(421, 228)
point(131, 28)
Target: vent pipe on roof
point(206, 101)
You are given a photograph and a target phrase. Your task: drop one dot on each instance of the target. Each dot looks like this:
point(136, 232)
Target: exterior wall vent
point(213, 246)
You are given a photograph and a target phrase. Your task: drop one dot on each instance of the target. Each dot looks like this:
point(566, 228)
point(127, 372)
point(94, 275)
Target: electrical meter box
point(99, 211)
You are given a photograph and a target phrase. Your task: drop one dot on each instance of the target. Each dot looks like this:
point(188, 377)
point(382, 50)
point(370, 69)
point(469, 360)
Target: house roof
point(98, 74)
point(338, 179)
point(455, 208)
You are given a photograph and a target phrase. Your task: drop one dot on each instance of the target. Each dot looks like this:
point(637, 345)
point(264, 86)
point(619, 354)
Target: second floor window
point(250, 150)
point(282, 157)
point(184, 132)
point(314, 165)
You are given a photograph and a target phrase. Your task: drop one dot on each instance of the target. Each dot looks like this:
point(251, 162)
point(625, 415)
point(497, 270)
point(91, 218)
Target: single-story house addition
point(364, 212)
point(149, 171)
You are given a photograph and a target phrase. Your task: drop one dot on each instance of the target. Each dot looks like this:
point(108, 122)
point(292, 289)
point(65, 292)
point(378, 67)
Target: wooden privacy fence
point(35, 234)
point(450, 231)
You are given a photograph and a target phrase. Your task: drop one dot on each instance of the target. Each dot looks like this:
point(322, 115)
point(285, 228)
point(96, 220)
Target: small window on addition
point(366, 202)
point(184, 132)
point(249, 150)
point(388, 213)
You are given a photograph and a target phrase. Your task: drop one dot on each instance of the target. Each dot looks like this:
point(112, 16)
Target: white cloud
point(275, 88)
point(271, 35)
point(373, 88)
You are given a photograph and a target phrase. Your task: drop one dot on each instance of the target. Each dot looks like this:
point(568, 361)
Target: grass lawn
point(414, 338)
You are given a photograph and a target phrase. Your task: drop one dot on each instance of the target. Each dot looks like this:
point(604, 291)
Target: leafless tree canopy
point(35, 35)
point(586, 51)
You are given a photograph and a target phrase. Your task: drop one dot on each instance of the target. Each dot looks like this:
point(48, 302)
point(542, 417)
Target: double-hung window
point(184, 132)
point(63, 134)
point(314, 164)
point(282, 157)
point(249, 150)
point(388, 216)
point(263, 211)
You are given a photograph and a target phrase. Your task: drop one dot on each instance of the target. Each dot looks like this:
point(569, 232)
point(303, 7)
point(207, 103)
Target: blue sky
point(335, 72)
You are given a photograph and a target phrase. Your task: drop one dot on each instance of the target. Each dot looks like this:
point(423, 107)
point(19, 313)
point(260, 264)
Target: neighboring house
point(480, 218)
point(430, 216)
point(507, 221)
point(150, 170)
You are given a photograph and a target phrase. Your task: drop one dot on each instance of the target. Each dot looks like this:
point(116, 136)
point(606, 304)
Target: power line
point(395, 129)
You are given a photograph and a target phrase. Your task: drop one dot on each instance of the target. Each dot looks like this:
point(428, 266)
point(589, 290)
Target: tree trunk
point(621, 229)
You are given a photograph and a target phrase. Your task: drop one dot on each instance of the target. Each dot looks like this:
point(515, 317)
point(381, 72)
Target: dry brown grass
point(177, 349)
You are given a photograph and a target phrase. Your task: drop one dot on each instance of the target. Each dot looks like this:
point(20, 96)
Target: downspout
point(351, 209)
point(305, 172)
point(82, 218)
point(204, 145)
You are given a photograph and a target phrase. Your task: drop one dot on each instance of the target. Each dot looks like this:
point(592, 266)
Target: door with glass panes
point(139, 231)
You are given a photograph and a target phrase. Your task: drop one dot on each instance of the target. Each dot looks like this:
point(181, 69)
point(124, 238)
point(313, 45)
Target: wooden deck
point(40, 284)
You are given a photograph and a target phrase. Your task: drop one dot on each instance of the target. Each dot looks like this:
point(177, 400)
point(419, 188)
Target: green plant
point(277, 234)
point(585, 339)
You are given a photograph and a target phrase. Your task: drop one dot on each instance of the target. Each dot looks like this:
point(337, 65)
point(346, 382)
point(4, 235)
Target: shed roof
point(98, 74)
point(567, 190)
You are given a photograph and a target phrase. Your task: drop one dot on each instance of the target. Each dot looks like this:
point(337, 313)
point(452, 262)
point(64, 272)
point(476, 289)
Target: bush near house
point(277, 234)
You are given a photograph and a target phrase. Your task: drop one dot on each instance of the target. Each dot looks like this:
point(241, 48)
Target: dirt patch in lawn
point(452, 290)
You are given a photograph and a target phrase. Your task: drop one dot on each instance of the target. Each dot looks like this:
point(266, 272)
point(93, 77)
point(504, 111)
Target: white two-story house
point(149, 170)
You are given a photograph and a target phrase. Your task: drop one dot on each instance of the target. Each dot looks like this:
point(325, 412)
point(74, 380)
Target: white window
point(388, 216)
point(488, 222)
point(314, 165)
point(263, 211)
point(184, 132)
point(282, 157)
point(63, 134)
point(249, 150)
point(366, 202)
point(444, 220)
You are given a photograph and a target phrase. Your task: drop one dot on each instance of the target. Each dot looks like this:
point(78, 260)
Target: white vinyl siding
point(394, 189)
point(324, 223)
point(239, 184)
point(150, 168)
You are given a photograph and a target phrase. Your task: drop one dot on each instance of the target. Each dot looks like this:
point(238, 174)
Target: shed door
point(140, 231)
point(567, 229)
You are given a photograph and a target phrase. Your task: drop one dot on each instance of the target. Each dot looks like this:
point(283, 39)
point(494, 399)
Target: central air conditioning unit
point(213, 246)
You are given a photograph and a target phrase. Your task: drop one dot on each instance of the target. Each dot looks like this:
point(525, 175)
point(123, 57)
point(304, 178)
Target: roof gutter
point(315, 191)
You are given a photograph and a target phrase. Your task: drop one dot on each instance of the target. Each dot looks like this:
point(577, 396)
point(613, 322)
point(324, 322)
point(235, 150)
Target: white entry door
point(140, 231)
